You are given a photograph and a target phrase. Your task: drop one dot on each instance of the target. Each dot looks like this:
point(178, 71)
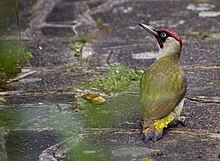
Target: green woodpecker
point(163, 85)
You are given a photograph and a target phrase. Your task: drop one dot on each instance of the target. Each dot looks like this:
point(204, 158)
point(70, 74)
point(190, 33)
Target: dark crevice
point(203, 100)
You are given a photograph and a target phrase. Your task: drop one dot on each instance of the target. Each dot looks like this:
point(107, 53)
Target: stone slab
point(47, 52)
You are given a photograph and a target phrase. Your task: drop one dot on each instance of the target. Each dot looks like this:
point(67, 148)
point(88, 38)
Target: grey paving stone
point(47, 53)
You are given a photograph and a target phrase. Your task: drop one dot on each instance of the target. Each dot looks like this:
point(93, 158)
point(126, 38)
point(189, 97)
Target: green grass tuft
point(117, 79)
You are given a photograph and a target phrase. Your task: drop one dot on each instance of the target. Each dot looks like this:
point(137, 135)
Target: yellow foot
point(155, 130)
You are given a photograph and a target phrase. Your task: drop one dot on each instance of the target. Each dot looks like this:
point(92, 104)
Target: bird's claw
point(182, 120)
point(155, 130)
point(152, 134)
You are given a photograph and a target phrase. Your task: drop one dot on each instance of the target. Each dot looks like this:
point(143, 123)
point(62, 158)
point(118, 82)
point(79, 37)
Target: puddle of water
point(115, 113)
point(28, 130)
point(55, 131)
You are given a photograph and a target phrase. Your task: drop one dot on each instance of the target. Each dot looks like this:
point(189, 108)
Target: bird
point(162, 85)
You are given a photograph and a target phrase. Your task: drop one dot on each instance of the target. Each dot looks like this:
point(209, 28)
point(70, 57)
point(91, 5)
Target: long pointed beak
point(149, 29)
point(153, 32)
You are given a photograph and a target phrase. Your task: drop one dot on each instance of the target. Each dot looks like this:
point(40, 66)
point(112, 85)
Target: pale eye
point(163, 34)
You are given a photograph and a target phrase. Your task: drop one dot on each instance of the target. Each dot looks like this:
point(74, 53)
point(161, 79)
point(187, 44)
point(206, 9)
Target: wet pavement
point(40, 121)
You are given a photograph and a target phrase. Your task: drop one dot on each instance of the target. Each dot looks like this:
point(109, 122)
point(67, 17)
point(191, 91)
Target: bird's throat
point(171, 49)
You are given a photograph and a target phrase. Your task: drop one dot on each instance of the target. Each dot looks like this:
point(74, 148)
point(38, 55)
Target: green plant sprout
point(77, 45)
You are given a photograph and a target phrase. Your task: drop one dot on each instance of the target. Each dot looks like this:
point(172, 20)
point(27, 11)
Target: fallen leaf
point(99, 100)
point(90, 96)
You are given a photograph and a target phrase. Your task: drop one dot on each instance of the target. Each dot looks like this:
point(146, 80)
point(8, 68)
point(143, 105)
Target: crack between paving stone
point(30, 38)
point(192, 132)
point(186, 131)
point(40, 93)
point(201, 67)
point(109, 58)
point(22, 75)
point(32, 129)
point(203, 99)
point(196, 132)
point(59, 150)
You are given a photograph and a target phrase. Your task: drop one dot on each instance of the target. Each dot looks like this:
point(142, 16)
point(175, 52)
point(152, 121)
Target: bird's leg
point(154, 130)
point(162, 123)
point(177, 111)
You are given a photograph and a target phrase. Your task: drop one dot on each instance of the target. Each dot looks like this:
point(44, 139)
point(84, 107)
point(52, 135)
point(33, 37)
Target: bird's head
point(168, 41)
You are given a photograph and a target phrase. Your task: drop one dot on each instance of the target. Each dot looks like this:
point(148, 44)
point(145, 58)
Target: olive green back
point(163, 86)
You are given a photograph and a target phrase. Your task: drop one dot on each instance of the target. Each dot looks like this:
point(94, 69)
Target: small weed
point(2, 100)
point(99, 22)
point(12, 58)
point(118, 79)
point(24, 58)
point(82, 40)
point(27, 55)
point(77, 45)
point(77, 49)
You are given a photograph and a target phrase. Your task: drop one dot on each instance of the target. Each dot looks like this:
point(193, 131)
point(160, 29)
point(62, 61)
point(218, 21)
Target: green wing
point(163, 86)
